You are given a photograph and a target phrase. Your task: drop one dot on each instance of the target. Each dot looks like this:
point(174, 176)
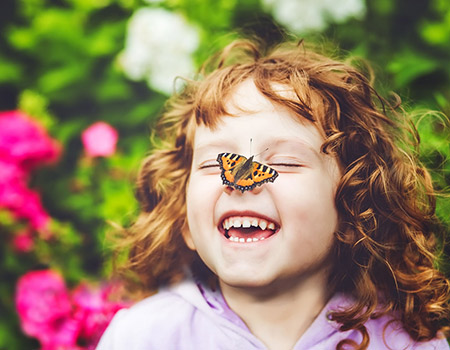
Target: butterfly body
point(244, 174)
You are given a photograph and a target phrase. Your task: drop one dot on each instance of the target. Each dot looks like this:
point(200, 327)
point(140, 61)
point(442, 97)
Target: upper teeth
point(239, 221)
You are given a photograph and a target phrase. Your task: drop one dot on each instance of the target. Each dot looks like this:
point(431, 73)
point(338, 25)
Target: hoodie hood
point(212, 303)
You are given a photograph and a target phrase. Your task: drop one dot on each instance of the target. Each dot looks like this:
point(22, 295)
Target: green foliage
point(59, 63)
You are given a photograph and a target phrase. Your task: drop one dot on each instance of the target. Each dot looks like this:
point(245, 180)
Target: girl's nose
point(257, 189)
point(229, 190)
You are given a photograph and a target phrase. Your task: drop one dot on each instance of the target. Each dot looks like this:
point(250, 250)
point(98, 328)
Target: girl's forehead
point(251, 114)
point(247, 97)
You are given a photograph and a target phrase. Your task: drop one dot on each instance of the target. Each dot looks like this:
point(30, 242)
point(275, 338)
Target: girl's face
point(299, 204)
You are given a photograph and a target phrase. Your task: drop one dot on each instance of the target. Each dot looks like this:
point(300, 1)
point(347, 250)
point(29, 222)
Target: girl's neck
point(281, 317)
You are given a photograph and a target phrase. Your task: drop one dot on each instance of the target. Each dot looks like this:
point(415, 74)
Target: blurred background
point(82, 81)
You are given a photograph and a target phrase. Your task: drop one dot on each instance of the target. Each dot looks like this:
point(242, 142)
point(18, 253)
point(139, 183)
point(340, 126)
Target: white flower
point(301, 15)
point(158, 48)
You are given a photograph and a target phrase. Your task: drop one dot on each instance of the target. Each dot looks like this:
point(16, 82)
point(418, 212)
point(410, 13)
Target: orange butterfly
point(244, 174)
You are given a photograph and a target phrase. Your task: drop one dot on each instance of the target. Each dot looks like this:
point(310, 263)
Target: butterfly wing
point(228, 163)
point(263, 173)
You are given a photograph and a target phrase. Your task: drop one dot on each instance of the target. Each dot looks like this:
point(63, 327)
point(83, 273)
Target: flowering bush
point(48, 311)
point(59, 319)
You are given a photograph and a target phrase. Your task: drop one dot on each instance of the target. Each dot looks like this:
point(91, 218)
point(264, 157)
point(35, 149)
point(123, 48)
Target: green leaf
point(408, 66)
point(59, 78)
point(10, 71)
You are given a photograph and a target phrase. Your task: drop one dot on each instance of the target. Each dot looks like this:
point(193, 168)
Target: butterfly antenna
point(262, 152)
point(256, 155)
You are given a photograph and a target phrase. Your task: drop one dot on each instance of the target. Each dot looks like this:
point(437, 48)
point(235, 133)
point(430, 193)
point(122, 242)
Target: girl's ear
point(186, 233)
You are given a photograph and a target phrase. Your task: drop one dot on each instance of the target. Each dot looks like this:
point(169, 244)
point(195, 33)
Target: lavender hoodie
point(190, 316)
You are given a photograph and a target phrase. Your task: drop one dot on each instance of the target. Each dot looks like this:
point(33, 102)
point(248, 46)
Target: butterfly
point(244, 174)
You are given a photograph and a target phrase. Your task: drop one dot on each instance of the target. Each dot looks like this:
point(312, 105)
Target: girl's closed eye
point(286, 164)
point(209, 165)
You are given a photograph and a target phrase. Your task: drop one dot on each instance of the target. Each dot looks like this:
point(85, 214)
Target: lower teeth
point(243, 240)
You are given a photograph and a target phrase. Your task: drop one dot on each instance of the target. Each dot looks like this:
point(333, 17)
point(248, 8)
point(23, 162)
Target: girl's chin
point(251, 286)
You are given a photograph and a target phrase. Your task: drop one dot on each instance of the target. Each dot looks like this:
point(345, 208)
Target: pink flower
point(33, 210)
point(60, 335)
point(24, 142)
point(19, 199)
point(12, 183)
point(11, 172)
point(23, 241)
point(99, 140)
point(94, 311)
point(24, 145)
point(44, 308)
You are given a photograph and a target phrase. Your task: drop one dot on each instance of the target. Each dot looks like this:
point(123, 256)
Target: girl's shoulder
point(155, 317)
point(388, 333)
point(179, 317)
point(153, 308)
point(385, 332)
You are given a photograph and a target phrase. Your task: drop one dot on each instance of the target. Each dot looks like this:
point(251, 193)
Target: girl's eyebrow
point(218, 144)
point(303, 146)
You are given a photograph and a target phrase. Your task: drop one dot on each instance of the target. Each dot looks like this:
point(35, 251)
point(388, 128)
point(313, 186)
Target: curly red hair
point(385, 244)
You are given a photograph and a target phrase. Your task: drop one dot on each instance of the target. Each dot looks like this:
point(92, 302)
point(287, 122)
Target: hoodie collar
point(212, 302)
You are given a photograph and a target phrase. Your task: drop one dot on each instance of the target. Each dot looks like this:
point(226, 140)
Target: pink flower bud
point(99, 140)
point(23, 241)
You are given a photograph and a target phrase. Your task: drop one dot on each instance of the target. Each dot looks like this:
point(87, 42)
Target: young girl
point(323, 240)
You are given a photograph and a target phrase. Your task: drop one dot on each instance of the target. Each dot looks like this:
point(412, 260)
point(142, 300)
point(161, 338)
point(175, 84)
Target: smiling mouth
point(244, 229)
